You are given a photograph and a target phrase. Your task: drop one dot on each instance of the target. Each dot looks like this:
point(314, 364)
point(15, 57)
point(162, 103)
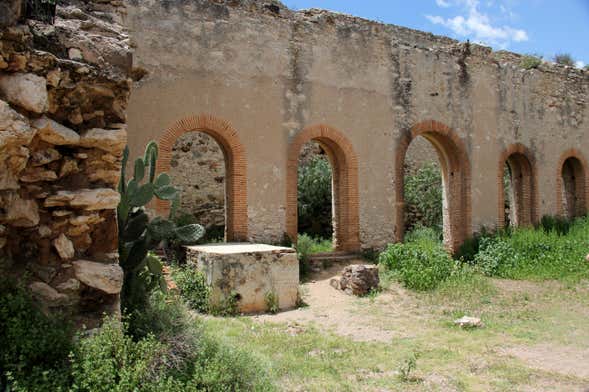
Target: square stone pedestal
point(249, 270)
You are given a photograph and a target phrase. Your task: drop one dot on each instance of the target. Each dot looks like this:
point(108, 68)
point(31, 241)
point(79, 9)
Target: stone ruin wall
point(63, 93)
point(271, 74)
point(198, 170)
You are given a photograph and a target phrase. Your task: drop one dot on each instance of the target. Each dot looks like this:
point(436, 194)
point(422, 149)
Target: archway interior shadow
point(573, 177)
point(521, 194)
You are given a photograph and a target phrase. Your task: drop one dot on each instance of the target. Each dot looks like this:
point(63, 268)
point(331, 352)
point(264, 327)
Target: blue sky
point(543, 27)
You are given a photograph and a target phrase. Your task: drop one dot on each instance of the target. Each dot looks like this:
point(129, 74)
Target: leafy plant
point(423, 198)
point(531, 61)
point(421, 264)
point(470, 247)
point(33, 344)
point(314, 198)
point(193, 287)
point(564, 59)
point(408, 367)
point(272, 304)
point(112, 359)
point(138, 235)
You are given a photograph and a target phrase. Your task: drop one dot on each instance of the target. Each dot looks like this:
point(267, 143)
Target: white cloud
point(478, 25)
point(443, 3)
point(579, 64)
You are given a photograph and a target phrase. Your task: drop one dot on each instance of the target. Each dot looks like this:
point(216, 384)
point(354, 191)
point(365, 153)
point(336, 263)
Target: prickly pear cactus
point(138, 235)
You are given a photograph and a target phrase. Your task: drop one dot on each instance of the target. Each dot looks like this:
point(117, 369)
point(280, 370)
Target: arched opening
point(197, 169)
point(235, 183)
point(455, 169)
point(314, 193)
point(344, 167)
point(423, 187)
point(572, 186)
point(517, 188)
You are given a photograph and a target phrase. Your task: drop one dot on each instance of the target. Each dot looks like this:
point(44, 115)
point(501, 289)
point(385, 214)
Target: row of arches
point(517, 160)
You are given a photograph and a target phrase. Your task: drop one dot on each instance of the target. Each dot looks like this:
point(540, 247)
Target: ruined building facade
point(263, 80)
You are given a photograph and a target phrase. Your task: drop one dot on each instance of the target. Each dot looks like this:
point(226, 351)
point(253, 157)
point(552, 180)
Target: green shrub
point(421, 264)
point(564, 59)
point(433, 234)
point(558, 224)
point(531, 61)
point(314, 198)
point(219, 366)
point(193, 287)
point(176, 353)
point(423, 198)
point(110, 360)
point(271, 300)
point(162, 315)
point(32, 344)
point(536, 253)
point(470, 247)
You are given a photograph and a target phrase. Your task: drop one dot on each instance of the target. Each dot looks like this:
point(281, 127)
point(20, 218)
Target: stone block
point(28, 91)
point(107, 278)
point(250, 271)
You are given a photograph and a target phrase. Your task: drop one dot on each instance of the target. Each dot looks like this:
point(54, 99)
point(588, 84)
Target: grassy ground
point(535, 338)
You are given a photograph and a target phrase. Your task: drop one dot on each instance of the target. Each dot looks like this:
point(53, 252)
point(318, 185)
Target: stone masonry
point(63, 93)
point(264, 80)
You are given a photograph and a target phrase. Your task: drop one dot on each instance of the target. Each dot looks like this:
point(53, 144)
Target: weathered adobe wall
point(271, 73)
point(63, 92)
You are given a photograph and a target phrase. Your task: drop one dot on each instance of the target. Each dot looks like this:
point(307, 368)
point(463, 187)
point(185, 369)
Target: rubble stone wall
point(64, 89)
point(271, 73)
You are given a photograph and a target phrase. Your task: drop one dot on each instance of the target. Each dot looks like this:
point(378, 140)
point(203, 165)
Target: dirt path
point(333, 310)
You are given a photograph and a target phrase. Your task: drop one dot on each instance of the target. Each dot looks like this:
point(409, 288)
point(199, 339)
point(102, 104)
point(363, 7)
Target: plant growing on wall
point(43, 10)
point(138, 235)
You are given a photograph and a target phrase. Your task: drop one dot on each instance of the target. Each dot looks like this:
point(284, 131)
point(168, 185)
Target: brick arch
point(524, 177)
point(345, 184)
point(236, 221)
point(580, 193)
point(456, 176)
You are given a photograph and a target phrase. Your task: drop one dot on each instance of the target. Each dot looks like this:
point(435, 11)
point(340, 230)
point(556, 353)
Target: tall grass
point(537, 254)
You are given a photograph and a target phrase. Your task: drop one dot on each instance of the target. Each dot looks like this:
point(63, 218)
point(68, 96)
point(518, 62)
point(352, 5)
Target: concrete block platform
point(249, 270)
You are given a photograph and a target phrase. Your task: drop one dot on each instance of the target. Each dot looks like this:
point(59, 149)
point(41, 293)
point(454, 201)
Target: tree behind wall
point(423, 198)
point(314, 198)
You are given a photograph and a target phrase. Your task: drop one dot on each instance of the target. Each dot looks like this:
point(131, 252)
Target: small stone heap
point(357, 280)
point(63, 93)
